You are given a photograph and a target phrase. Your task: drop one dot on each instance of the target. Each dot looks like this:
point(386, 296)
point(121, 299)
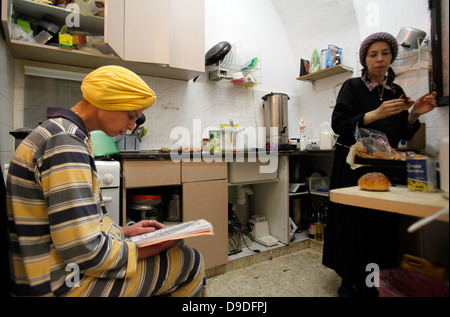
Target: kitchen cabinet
point(159, 38)
point(270, 192)
point(301, 167)
point(204, 195)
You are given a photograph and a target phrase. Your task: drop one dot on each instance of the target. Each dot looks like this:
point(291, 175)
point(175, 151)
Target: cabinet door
point(115, 25)
point(202, 171)
point(137, 174)
point(208, 200)
point(147, 31)
point(187, 34)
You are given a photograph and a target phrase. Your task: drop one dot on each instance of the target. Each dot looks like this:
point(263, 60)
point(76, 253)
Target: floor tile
point(300, 273)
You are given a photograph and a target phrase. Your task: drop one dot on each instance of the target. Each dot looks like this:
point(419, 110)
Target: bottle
point(302, 130)
point(311, 226)
point(205, 145)
point(318, 233)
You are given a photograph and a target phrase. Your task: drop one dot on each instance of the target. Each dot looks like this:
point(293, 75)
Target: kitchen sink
point(253, 172)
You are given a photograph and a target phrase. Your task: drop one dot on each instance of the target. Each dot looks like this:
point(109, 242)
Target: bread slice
point(408, 102)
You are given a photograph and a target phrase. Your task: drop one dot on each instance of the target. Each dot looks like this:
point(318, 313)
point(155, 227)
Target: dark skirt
point(354, 236)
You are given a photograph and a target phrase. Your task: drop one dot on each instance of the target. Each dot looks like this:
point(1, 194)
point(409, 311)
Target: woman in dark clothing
point(357, 236)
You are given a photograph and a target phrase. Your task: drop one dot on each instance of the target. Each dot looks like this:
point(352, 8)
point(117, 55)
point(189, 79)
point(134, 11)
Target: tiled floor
point(290, 271)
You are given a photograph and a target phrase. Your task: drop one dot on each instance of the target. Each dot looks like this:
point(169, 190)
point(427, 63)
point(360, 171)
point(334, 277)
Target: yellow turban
point(116, 88)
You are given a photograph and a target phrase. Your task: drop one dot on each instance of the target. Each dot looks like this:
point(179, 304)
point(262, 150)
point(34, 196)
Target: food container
point(102, 144)
point(421, 174)
point(145, 207)
point(128, 143)
point(143, 212)
point(146, 199)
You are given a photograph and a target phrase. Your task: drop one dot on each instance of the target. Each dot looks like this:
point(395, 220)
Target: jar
point(205, 145)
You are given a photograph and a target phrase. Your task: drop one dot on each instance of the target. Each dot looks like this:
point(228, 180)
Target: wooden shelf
point(397, 199)
point(327, 72)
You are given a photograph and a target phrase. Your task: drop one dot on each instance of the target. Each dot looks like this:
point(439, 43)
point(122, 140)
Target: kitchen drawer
point(202, 171)
point(150, 173)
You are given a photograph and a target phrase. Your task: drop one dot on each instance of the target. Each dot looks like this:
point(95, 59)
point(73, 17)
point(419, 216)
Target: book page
point(180, 231)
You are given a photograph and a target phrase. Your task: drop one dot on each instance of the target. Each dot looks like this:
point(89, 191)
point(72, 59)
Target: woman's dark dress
point(355, 237)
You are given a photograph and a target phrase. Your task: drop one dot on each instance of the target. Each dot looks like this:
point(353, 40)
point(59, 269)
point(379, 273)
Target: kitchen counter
point(398, 199)
point(228, 155)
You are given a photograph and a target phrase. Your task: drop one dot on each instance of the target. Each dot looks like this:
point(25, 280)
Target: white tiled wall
point(209, 104)
point(6, 100)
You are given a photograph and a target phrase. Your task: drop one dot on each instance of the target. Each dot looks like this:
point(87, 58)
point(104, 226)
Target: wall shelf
point(327, 72)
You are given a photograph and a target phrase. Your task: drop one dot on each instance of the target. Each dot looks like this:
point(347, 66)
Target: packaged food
point(334, 56)
point(421, 172)
point(374, 144)
point(315, 62)
point(304, 67)
point(215, 141)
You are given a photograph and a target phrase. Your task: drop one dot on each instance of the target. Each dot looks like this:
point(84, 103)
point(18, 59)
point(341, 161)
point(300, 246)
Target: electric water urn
point(276, 116)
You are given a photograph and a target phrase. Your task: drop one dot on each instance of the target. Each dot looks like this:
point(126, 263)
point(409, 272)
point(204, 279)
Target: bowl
point(103, 144)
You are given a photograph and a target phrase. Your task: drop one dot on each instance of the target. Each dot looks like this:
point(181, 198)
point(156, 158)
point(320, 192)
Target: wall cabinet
point(204, 195)
point(162, 38)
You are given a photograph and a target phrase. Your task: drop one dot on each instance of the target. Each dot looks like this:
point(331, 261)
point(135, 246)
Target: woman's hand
point(424, 104)
point(143, 226)
point(386, 109)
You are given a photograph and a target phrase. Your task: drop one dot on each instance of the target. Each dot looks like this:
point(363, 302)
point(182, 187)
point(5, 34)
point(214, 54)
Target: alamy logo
point(373, 278)
point(73, 18)
point(73, 278)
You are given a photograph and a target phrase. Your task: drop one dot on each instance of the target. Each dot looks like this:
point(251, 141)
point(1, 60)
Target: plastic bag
point(17, 33)
point(374, 144)
point(315, 62)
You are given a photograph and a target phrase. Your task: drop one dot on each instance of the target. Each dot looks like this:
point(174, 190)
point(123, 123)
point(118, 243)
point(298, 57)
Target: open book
point(183, 230)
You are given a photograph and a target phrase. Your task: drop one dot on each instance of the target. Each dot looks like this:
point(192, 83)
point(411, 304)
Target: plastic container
point(128, 143)
point(422, 266)
point(405, 283)
point(103, 144)
point(150, 200)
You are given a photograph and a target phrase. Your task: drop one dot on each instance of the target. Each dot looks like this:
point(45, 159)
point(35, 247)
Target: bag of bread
point(374, 144)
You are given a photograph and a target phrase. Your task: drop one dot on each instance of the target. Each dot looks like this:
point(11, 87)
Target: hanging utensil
point(139, 121)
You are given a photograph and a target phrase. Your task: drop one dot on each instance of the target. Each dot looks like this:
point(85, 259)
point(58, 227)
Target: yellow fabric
point(116, 88)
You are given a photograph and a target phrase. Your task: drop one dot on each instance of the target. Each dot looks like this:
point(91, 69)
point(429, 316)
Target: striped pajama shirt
point(60, 233)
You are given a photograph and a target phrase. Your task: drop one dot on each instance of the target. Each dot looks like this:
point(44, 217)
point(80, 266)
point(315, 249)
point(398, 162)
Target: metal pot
point(276, 115)
point(410, 37)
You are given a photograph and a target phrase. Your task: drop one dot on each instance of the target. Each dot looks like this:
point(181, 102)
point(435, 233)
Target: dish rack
point(224, 70)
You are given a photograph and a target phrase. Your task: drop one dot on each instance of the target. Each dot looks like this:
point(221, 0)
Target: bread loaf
point(374, 182)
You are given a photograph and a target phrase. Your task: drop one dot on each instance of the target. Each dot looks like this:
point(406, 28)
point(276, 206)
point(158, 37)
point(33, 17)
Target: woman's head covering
point(376, 37)
point(116, 88)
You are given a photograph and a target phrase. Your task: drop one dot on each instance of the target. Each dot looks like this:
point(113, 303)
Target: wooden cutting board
point(398, 199)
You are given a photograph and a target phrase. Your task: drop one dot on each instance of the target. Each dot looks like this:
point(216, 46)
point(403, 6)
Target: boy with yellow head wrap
point(53, 187)
point(117, 88)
